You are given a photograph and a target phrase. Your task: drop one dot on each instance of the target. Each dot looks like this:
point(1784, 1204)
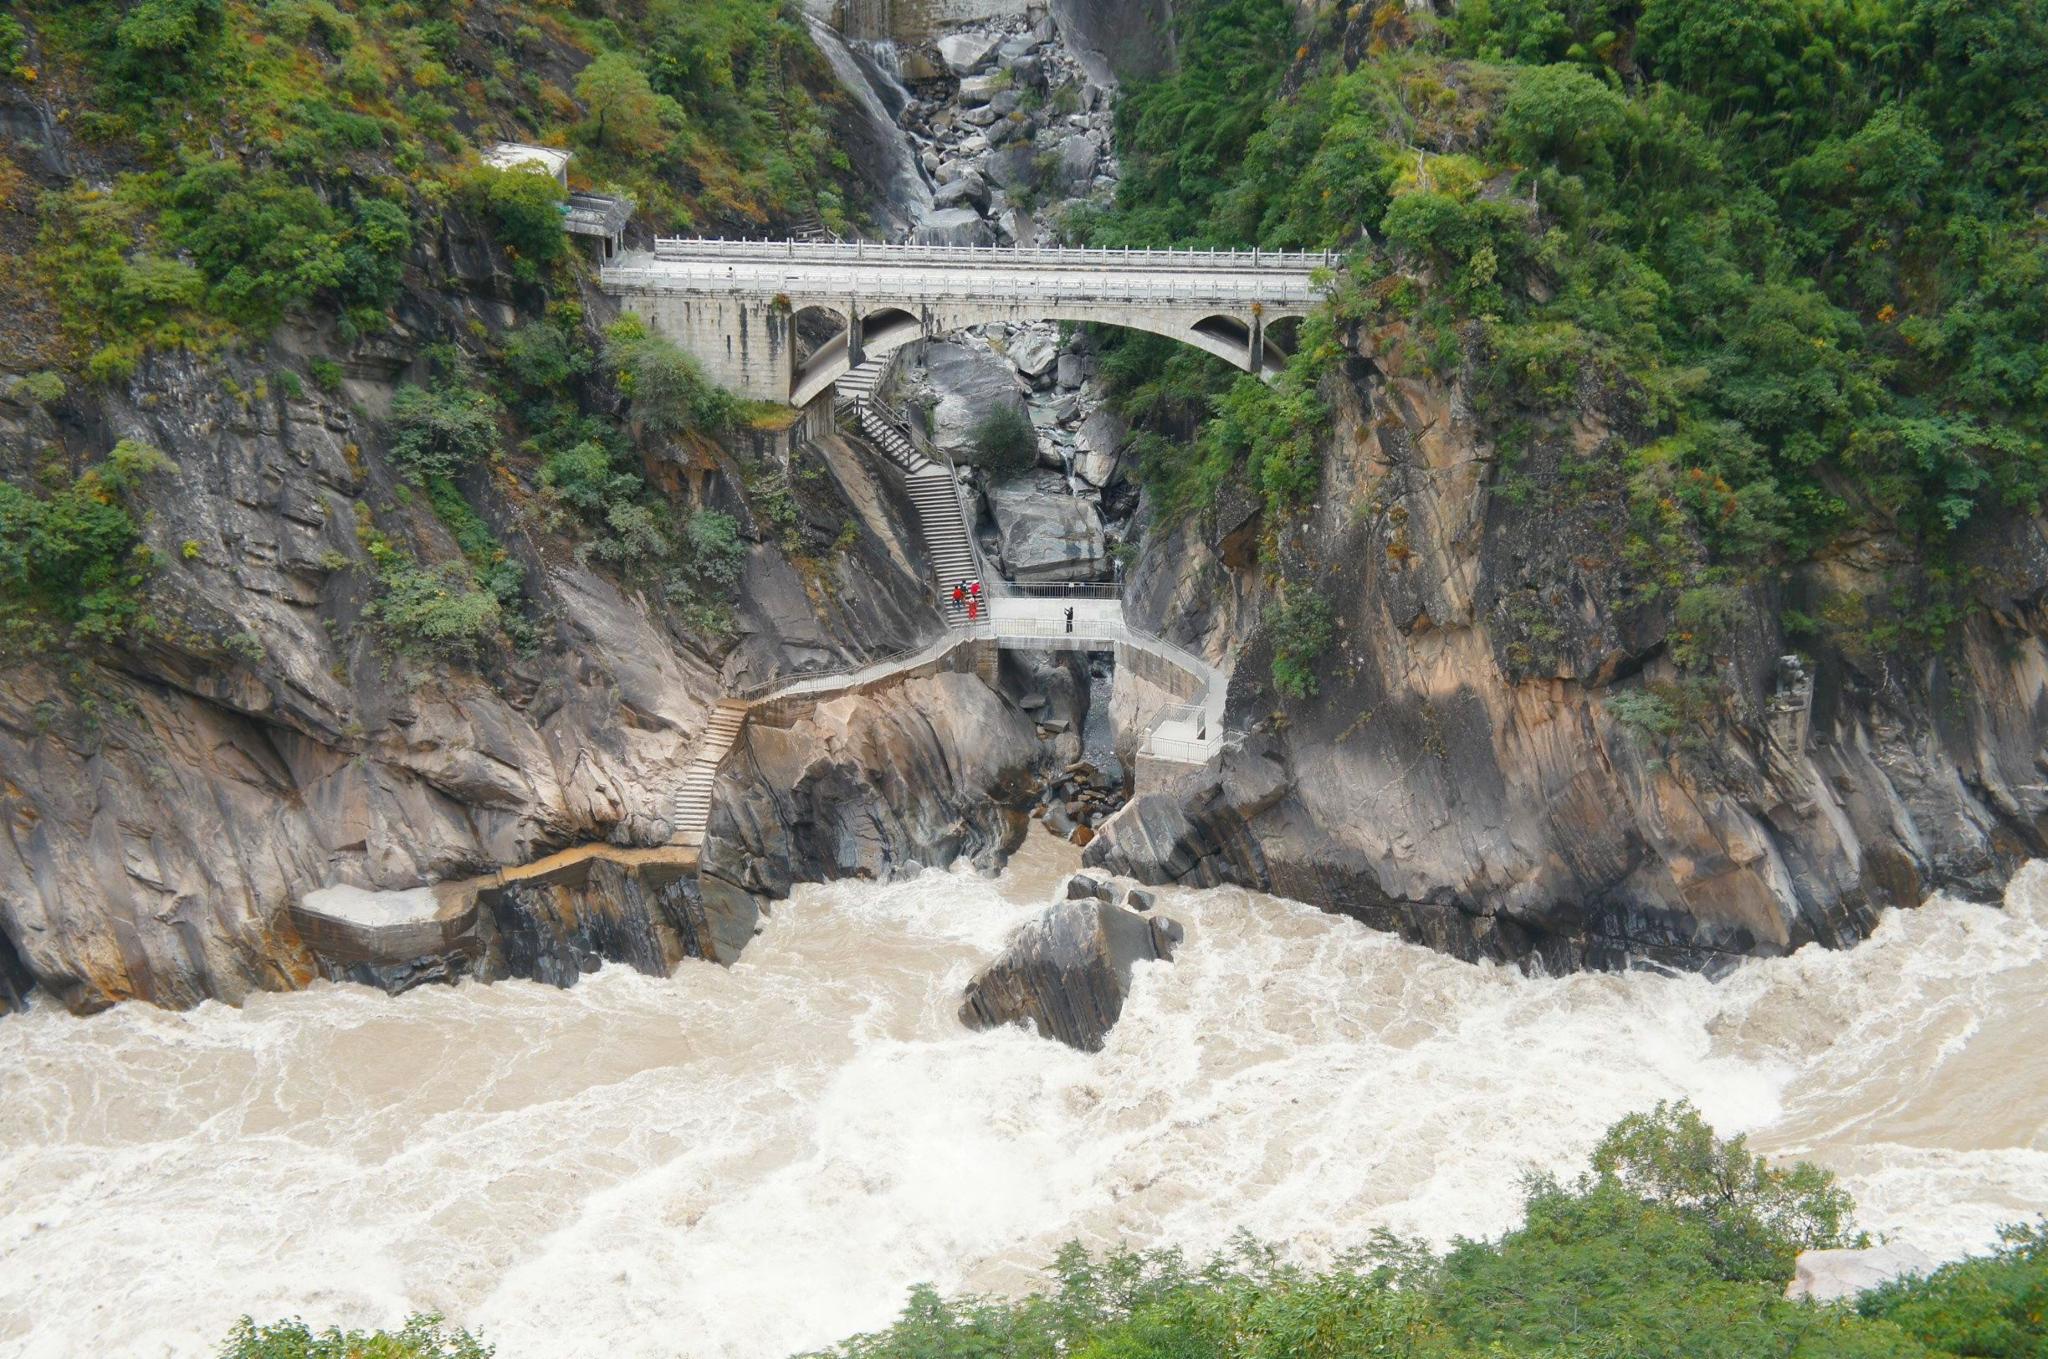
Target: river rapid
point(746, 1162)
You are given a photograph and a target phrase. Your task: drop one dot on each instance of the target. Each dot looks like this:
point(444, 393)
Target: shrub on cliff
point(1004, 442)
point(525, 209)
point(439, 431)
point(72, 562)
point(670, 394)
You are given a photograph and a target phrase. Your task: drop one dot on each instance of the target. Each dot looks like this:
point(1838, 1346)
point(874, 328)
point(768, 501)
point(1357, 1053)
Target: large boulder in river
point(1068, 971)
point(968, 382)
point(1047, 537)
point(1034, 353)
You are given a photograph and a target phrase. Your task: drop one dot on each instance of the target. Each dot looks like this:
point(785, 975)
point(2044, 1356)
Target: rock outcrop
point(1068, 971)
point(262, 740)
point(929, 770)
point(1497, 760)
point(1045, 537)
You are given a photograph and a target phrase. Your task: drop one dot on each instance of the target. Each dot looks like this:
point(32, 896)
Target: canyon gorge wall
point(1464, 774)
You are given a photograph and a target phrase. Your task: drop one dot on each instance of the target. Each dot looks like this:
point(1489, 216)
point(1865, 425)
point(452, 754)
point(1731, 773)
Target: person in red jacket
point(959, 594)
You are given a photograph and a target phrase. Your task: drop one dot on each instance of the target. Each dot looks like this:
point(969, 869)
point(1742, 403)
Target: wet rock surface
point(649, 917)
point(1068, 972)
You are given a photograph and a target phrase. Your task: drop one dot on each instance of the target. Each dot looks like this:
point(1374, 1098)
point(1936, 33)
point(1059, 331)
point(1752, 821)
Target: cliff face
point(260, 739)
point(1464, 775)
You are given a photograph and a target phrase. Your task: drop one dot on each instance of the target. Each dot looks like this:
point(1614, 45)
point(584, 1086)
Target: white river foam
point(747, 1162)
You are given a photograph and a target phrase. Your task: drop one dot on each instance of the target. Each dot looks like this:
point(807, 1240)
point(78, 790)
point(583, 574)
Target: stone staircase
point(691, 812)
point(933, 490)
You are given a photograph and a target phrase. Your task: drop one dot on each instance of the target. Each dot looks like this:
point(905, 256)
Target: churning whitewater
point(748, 1162)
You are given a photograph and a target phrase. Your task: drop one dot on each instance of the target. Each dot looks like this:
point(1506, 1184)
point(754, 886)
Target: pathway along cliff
point(645, 1167)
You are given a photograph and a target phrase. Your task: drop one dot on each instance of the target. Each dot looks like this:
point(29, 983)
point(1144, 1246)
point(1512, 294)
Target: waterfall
point(909, 195)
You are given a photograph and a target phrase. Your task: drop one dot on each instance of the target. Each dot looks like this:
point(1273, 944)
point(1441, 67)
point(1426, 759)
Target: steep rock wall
point(1462, 776)
point(161, 809)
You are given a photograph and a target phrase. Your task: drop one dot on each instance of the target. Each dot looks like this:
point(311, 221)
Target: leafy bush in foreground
point(422, 1337)
point(1676, 1246)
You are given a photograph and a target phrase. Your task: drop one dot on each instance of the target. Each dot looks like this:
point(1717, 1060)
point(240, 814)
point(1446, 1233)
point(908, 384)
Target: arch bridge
point(733, 305)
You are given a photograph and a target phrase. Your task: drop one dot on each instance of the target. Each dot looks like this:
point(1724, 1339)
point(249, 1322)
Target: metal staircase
point(692, 805)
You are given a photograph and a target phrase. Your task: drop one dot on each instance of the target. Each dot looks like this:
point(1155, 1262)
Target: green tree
point(526, 209)
point(669, 392)
point(441, 430)
point(626, 114)
point(1302, 626)
point(1994, 1307)
point(1757, 1217)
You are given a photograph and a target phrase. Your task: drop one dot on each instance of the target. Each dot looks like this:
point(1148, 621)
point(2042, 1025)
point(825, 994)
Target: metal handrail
point(807, 681)
point(1070, 589)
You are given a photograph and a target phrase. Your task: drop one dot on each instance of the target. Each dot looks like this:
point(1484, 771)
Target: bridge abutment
point(745, 346)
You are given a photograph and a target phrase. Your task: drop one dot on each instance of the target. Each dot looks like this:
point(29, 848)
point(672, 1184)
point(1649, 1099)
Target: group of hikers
point(967, 595)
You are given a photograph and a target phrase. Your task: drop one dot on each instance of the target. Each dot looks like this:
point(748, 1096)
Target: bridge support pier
point(747, 347)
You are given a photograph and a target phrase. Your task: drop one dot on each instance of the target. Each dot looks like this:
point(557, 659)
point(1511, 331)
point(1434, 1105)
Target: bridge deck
point(769, 269)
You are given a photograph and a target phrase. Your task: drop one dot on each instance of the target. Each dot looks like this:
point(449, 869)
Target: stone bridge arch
point(1242, 341)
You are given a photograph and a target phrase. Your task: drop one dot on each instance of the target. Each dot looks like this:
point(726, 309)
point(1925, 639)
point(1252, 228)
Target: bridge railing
point(1089, 257)
point(985, 285)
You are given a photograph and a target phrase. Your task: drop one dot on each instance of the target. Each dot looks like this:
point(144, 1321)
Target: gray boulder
point(1078, 157)
point(968, 383)
point(1047, 537)
point(970, 190)
point(980, 89)
point(1008, 131)
point(1014, 167)
point(1068, 972)
point(1034, 353)
point(964, 53)
point(1073, 371)
point(1081, 887)
point(1096, 444)
point(954, 226)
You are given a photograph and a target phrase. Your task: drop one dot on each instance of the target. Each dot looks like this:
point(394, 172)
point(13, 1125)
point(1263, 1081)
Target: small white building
point(602, 217)
point(545, 160)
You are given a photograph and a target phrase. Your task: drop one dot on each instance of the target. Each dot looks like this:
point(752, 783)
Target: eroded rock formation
point(1465, 775)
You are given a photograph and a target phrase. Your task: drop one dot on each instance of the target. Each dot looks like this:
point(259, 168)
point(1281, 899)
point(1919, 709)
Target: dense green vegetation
point(289, 159)
point(71, 558)
point(1795, 241)
point(1677, 1245)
